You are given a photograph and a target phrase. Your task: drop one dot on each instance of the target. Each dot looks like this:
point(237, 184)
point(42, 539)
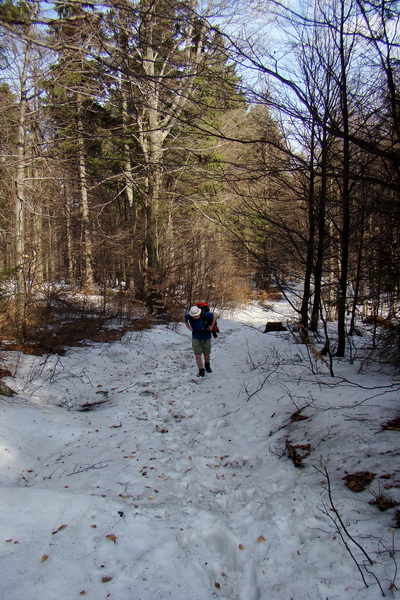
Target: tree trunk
point(310, 242)
point(357, 285)
point(132, 203)
point(319, 263)
point(152, 206)
point(70, 269)
point(87, 258)
point(19, 205)
point(345, 197)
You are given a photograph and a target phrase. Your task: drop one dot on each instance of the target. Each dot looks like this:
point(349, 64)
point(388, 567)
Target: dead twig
point(83, 468)
point(339, 518)
point(333, 514)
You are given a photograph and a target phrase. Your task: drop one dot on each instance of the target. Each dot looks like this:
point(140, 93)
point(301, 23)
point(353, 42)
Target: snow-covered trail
point(169, 489)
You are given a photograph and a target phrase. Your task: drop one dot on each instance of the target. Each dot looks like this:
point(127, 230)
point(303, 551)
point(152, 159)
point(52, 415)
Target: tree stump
point(274, 326)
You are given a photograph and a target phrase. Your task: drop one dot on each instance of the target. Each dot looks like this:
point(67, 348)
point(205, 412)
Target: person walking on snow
point(201, 327)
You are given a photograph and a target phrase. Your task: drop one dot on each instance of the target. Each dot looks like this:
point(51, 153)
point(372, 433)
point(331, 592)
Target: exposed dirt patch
point(77, 330)
point(297, 416)
point(393, 425)
point(5, 373)
point(90, 406)
point(357, 482)
point(297, 453)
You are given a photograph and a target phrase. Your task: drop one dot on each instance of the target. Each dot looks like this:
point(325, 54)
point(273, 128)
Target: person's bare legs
point(202, 368)
point(199, 361)
point(207, 363)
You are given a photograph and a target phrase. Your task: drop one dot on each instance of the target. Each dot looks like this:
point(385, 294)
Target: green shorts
point(201, 346)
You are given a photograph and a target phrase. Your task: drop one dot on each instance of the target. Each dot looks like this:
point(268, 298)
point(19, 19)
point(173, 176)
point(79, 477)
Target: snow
point(181, 487)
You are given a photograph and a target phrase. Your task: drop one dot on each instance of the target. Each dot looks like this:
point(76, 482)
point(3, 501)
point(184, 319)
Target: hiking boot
point(208, 368)
point(201, 373)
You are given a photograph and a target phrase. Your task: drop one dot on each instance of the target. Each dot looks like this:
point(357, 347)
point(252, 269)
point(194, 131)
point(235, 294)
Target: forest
point(158, 152)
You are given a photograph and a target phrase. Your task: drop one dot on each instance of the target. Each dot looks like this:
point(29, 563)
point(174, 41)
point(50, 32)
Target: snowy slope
point(180, 487)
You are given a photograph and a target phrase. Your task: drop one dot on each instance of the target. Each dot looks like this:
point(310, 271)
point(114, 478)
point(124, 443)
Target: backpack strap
point(204, 321)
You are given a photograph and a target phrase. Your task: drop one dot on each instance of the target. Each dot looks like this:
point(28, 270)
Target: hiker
point(201, 326)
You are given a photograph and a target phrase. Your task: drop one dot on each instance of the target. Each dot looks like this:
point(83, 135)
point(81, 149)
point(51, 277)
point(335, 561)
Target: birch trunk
point(20, 200)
